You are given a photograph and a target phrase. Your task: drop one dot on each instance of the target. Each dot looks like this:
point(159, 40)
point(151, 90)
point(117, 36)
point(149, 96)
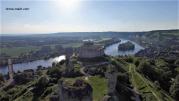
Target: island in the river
point(126, 46)
point(78, 76)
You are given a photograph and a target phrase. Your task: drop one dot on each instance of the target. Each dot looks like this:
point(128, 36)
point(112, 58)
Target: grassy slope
point(147, 88)
point(99, 86)
point(19, 91)
point(23, 92)
point(143, 85)
point(162, 36)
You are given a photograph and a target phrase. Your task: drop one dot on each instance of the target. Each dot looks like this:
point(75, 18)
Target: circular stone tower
point(74, 90)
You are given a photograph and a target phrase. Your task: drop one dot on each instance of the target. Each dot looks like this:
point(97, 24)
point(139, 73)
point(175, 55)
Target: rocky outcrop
point(107, 98)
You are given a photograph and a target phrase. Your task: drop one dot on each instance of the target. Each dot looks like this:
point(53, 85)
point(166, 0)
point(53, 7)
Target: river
point(33, 64)
point(112, 50)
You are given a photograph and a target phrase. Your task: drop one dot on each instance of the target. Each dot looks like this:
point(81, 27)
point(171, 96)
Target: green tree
point(40, 86)
point(54, 72)
point(42, 82)
point(123, 78)
point(174, 89)
point(148, 70)
point(1, 78)
point(137, 63)
point(129, 59)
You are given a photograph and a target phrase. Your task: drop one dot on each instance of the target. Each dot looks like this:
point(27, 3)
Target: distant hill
point(165, 33)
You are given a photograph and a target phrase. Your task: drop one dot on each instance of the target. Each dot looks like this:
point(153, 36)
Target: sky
point(50, 16)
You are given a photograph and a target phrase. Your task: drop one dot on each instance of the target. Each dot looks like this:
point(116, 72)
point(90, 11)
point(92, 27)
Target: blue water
point(32, 65)
point(112, 50)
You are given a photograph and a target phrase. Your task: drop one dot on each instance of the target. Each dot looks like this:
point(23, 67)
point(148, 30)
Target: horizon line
point(4, 34)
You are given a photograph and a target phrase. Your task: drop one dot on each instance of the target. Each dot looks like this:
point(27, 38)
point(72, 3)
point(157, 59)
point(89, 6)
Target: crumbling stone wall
point(75, 92)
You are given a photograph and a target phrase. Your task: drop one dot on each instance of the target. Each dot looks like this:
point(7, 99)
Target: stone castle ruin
point(77, 90)
point(69, 64)
point(112, 81)
point(10, 69)
point(111, 76)
point(90, 50)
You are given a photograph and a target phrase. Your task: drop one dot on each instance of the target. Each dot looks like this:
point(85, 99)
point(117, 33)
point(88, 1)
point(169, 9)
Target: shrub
point(54, 72)
point(1, 78)
point(148, 70)
point(137, 63)
point(129, 59)
point(174, 89)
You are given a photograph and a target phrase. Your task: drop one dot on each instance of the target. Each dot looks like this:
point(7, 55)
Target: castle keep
point(90, 50)
point(77, 90)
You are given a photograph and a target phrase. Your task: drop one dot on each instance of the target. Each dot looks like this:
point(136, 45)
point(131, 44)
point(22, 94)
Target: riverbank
point(43, 54)
point(32, 65)
point(112, 50)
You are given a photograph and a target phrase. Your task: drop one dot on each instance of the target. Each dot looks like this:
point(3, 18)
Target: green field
point(99, 85)
point(149, 91)
point(74, 45)
point(16, 51)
